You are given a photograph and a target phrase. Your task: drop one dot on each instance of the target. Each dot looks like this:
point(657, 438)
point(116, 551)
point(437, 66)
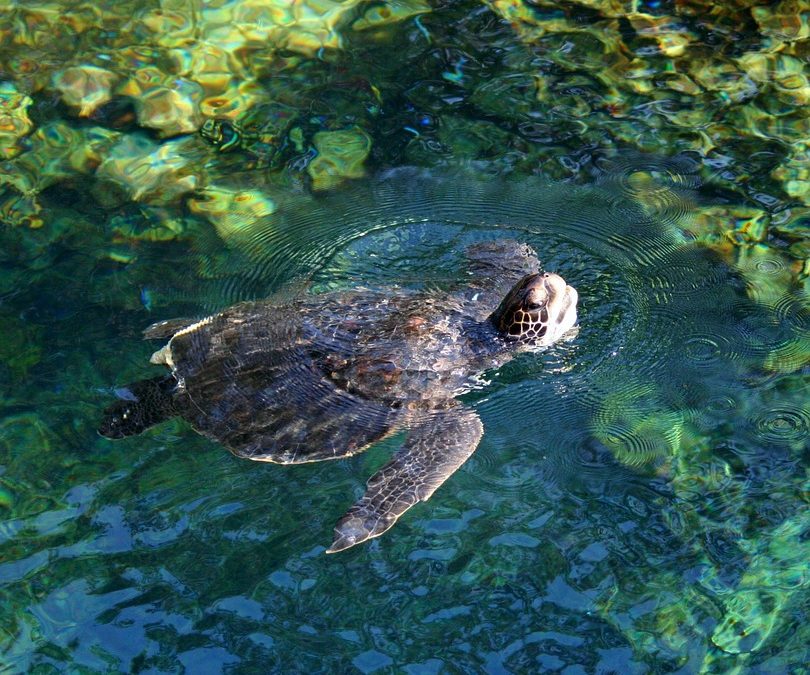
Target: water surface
point(638, 502)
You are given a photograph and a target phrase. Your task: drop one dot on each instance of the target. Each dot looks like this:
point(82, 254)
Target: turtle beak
point(554, 284)
point(562, 303)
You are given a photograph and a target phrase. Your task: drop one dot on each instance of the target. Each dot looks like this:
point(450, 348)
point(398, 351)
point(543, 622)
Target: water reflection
point(638, 499)
point(606, 465)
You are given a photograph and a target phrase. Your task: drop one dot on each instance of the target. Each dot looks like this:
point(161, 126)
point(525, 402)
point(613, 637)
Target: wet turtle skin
point(324, 376)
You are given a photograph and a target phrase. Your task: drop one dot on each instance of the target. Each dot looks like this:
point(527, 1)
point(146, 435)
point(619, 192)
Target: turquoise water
point(638, 502)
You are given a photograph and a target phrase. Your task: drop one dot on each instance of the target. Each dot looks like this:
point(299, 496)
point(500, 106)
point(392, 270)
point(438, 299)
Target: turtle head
point(538, 310)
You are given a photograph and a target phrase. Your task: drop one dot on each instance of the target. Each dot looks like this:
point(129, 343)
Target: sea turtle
point(324, 376)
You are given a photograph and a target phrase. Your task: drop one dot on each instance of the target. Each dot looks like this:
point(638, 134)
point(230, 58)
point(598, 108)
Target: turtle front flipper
point(431, 453)
point(143, 404)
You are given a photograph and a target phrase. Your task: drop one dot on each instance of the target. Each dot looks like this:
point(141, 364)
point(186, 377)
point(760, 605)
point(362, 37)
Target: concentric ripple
point(663, 187)
point(793, 311)
point(772, 265)
point(659, 320)
point(783, 425)
point(304, 231)
point(704, 350)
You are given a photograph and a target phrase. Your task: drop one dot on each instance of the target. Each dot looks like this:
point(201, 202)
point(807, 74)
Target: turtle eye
point(534, 305)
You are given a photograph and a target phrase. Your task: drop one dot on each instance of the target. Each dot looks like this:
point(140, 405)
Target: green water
point(638, 502)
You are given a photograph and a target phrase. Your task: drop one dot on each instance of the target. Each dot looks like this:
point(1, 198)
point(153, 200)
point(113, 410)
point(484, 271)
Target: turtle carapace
point(324, 376)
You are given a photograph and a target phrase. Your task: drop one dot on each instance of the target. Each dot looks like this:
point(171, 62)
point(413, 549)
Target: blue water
point(638, 502)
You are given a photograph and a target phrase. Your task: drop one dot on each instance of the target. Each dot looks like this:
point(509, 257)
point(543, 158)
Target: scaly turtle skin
point(325, 376)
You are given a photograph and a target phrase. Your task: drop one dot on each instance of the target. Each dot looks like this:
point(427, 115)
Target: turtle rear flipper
point(142, 405)
point(430, 455)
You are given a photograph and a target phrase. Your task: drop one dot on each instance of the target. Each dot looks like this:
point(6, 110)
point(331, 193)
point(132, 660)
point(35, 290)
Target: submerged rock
point(658, 62)
point(157, 173)
point(163, 102)
point(776, 577)
point(234, 213)
point(57, 152)
point(383, 15)
point(171, 110)
point(639, 431)
point(14, 121)
point(151, 223)
point(794, 173)
point(785, 73)
point(786, 20)
point(261, 131)
point(303, 27)
point(85, 87)
point(341, 154)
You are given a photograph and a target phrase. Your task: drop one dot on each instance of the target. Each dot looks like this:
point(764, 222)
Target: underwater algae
point(249, 77)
